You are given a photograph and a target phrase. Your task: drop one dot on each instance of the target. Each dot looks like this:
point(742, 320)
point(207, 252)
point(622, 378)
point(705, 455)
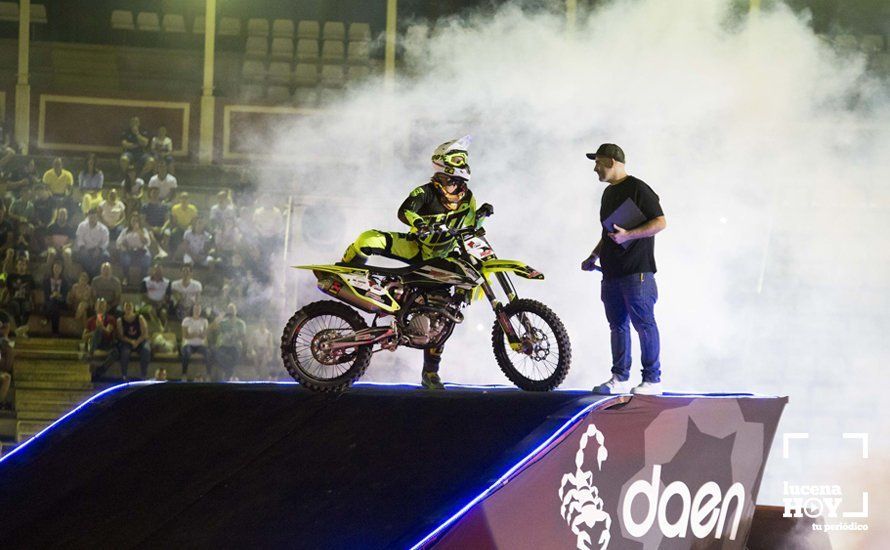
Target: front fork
point(503, 320)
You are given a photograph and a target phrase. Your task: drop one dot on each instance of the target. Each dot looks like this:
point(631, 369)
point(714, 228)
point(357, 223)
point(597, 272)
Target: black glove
point(485, 211)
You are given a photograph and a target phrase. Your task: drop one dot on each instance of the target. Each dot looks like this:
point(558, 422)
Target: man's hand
point(620, 236)
point(590, 263)
point(485, 211)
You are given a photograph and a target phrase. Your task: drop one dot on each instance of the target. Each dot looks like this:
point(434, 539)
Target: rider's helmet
point(452, 166)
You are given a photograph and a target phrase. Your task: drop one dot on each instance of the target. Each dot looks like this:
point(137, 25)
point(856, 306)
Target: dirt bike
point(327, 345)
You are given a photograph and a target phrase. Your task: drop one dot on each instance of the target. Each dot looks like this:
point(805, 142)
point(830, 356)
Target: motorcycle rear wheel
point(542, 333)
point(303, 353)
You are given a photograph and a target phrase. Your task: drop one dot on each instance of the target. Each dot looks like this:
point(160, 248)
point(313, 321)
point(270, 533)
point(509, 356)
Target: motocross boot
point(430, 380)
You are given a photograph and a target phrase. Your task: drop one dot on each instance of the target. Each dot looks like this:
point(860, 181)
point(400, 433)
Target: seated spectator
point(60, 236)
point(112, 213)
point(25, 175)
point(182, 214)
point(59, 180)
point(8, 149)
point(230, 335)
point(186, 292)
point(157, 219)
point(224, 227)
point(91, 243)
point(22, 209)
point(164, 181)
point(91, 199)
point(223, 212)
point(99, 334)
point(195, 247)
point(132, 245)
point(156, 290)
point(7, 358)
point(135, 144)
point(194, 339)
point(20, 287)
point(132, 335)
point(107, 287)
point(162, 146)
point(90, 178)
point(8, 229)
point(44, 205)
point(80, 297)
point(132, 190)
point(55, 290)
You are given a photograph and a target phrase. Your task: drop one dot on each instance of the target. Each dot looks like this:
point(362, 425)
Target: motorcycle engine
point(428, 318)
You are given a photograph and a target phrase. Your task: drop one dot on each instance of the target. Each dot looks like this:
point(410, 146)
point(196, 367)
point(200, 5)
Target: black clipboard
point(628, 216)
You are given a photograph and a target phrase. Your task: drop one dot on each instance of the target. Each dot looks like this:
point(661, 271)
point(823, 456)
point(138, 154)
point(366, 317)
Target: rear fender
point(514, 266)
point(353, 286)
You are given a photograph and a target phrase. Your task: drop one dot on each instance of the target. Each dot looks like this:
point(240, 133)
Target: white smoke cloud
point(767, 148)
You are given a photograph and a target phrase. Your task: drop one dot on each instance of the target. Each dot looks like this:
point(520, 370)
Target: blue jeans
point(632, 298)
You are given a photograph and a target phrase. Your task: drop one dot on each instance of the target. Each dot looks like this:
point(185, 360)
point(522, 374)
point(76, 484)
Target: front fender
point(517, 267)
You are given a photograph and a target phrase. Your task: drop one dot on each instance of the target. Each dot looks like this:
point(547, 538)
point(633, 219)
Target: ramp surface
point(265, 465)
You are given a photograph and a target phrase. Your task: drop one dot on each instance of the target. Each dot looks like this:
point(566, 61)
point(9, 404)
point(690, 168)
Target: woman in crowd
point(132, 335)
point(80, 297)
point(132, 245)
point(55, 289)
point(60, 236)
point(90, 178)
point(195, 247)
point(132, 189)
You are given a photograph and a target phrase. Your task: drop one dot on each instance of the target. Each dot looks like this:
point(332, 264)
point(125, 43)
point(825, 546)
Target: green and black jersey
point(424, 204)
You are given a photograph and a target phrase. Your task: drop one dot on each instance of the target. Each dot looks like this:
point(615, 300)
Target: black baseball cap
point(608, 150)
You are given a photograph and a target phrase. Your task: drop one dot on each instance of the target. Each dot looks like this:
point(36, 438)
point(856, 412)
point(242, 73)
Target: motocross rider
point(447, 200)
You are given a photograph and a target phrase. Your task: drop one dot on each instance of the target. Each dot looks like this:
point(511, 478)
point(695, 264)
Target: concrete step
point(58, 396)
point(25, 368)
point(53, 385)
point(25, 429)
point(46, 354)
point(48, 372)
point(46, 412)
point(64, 344)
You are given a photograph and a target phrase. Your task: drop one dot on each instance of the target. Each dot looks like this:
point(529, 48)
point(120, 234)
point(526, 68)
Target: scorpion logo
point(582, 507)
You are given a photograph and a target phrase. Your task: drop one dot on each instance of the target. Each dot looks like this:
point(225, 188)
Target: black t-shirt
point(20, 286)
point(131, 136)
point(639, 257)
point(66, 230)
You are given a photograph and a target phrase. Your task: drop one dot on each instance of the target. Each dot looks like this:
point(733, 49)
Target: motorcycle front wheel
point(542, 359)
point(306, 351)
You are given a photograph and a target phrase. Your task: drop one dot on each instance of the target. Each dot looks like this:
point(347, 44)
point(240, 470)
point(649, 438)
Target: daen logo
point(705, 513)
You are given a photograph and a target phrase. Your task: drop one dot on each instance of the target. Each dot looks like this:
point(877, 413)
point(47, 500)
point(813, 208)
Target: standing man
point(627, 256)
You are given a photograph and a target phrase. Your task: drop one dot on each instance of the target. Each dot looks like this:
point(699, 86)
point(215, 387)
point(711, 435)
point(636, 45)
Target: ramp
point(270, 465)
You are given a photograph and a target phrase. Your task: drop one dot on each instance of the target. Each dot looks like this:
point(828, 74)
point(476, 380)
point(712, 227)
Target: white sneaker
point(647, 388)
point(613, 386)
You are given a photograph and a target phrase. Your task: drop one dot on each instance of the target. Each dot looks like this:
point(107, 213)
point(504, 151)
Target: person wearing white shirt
point(186, 292)
point(164, 181)
point(91, 243)
point(194, 339)
point(156, 289)
point(132, 245)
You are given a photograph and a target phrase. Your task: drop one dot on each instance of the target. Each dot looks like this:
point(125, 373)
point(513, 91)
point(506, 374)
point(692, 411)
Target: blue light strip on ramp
point(515, 468)
point(72, 412)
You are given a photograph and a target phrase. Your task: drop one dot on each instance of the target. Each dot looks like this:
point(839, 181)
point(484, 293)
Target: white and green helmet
point(450, 158)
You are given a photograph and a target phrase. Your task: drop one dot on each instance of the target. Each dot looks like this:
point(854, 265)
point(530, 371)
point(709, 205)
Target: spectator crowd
point(97, 249)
